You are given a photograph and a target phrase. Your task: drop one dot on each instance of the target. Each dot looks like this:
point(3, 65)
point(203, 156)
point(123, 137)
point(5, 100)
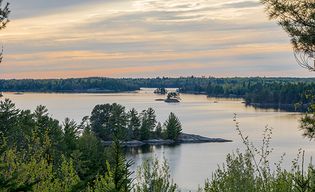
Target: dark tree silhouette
point(4, 13)
point(297, 18)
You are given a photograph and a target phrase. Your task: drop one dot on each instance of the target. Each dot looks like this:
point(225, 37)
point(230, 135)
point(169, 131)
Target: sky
point(144, 38)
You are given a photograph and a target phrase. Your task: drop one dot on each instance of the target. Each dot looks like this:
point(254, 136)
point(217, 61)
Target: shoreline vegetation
point(183, 138)
point(40, 153)
point(136, 129)
point(288, 94)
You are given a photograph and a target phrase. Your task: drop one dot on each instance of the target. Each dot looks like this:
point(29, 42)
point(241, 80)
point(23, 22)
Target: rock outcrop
point(182, 139)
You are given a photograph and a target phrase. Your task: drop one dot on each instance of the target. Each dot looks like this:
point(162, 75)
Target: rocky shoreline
point(184, 138)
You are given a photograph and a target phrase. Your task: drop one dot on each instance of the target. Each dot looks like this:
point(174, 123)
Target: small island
point(134, 129)
point(172, 97)
point(160, 91)
point(183, 138)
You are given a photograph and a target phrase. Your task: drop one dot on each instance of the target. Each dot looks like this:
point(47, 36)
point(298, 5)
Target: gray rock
point(183, 138)
point(191, 138)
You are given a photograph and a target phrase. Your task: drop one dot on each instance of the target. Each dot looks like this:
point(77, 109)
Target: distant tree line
point(85, 85)
point(273, 92)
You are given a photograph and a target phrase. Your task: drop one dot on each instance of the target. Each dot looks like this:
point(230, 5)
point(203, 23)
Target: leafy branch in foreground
point(154, 177)
point(252, 171)
point(307, 122)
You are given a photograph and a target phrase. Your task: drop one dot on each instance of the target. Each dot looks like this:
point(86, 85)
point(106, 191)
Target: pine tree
point(134, 124)
point(173, 127)
point(118, 175)
point(158, 131)
point(297, 18)
point(70, 136)
point(148, 123)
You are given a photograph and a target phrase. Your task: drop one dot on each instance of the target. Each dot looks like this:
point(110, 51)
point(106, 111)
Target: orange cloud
point(111, 72)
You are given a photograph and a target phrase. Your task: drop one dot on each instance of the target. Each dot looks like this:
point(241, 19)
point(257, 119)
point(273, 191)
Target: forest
point(109, 121)
point(39, 153)
point(292, 94)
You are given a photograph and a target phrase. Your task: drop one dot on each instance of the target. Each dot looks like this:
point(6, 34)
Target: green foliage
point(134, 124)
point(79, 85)
point(298, 19)
point(251, 171)
point(154, 177)
point(4, 13)
point(70, 136)
point(173, 95)
point(109, 121)
point(279, 93)
point(36, 152)
point(173, 127)
point(307, 123)
point(39, 154)
point(159, 131)
point(148, 120)
point(161, 91)
point(118, 176)
point(90, 156)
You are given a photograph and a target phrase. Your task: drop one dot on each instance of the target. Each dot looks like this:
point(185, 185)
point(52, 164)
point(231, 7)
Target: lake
point(190, 164)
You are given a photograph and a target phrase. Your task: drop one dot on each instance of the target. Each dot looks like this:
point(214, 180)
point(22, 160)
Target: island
point(160, 91)
point(183, 138)
point(111, 122)
point(172, 97)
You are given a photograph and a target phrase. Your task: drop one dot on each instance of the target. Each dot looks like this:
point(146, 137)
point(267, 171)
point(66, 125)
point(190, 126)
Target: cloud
point(135, 37)
point(241, 4)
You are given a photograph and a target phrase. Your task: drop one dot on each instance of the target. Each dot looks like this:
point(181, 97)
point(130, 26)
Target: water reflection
point(134, 151)
point(190, 164)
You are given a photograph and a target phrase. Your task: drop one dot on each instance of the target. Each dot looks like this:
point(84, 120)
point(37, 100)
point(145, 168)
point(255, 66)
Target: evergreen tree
point(134, 124)
point(158, 131)
point(109, 121)
point(8, 120)
point(70, 136)
point(118, 122)
point(173, 127)
point(148, 123)
point(99, 121)
point(118, 176)
point(307, 123)
point(90, 156)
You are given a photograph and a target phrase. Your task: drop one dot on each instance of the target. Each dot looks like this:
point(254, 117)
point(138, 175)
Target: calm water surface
point(190, 164)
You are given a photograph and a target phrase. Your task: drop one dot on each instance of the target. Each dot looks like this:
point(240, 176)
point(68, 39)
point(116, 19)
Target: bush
point(251, 171)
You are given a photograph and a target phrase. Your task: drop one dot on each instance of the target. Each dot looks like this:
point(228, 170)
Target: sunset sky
point(144, 38)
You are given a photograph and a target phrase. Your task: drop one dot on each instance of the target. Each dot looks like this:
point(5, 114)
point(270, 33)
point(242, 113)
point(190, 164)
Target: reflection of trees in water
point(278, 107)
point(140, 150)
point(147, 149)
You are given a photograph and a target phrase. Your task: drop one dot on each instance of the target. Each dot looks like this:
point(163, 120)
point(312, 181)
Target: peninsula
point(183, 138)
